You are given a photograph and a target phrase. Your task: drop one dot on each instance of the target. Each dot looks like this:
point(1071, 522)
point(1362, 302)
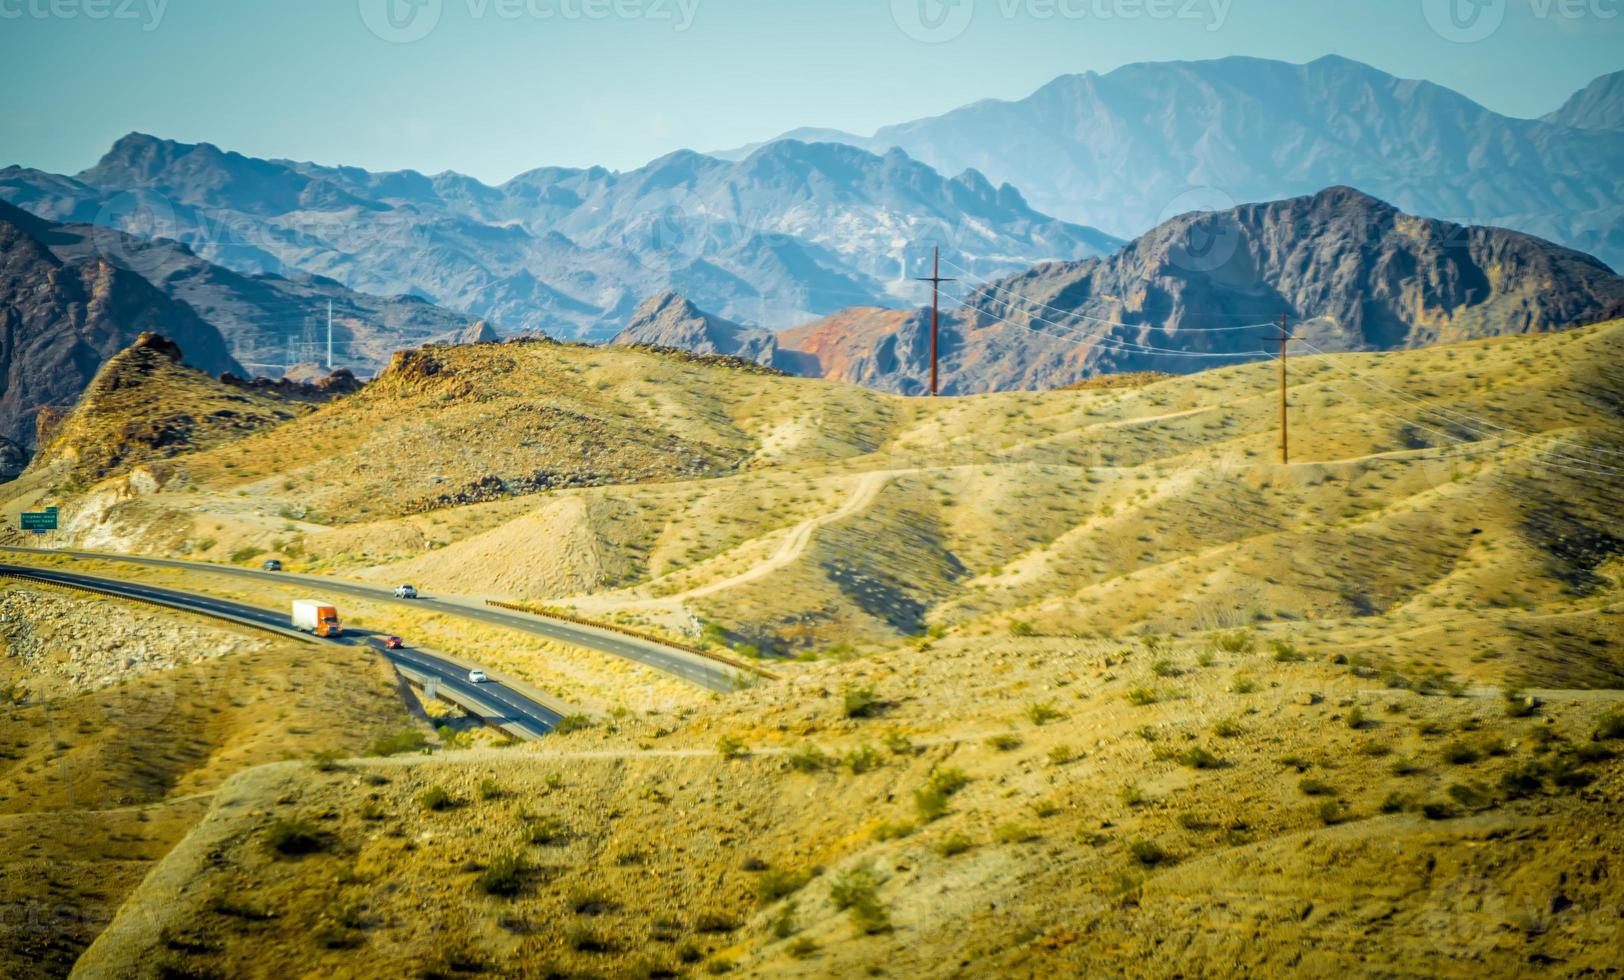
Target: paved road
point(509, 707)
point(679, 663)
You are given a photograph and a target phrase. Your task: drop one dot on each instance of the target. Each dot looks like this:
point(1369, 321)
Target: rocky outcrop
point(1351, 272)
point(669, 320)
point(61, 320)
point(335, 385)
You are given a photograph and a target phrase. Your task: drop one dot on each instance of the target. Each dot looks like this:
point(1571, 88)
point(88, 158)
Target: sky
point(492, 88)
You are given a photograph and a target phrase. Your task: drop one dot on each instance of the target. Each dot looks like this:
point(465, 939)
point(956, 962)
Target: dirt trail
point(787, 553)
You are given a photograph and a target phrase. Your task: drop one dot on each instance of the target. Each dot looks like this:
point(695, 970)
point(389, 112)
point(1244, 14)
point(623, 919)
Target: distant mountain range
point(1128, 149)
point(1353, 273)
point(786, 234)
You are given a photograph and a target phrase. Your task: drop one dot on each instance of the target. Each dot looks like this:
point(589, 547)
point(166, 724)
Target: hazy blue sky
point(498, 86)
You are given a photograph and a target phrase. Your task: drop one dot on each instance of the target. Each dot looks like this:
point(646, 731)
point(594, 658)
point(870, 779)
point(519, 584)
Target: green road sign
point(39, 521)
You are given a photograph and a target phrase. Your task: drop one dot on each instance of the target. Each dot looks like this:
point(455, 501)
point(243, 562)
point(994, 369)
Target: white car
point(477, 676)
point(405, 592)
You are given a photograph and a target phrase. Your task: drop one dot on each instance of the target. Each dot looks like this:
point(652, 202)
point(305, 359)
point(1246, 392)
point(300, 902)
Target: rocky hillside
point(1352, 272)
point(1129, 149)
point(793, 232)
point(60, 319)
point(146, 405)
point(669, 320)
point(271, 323)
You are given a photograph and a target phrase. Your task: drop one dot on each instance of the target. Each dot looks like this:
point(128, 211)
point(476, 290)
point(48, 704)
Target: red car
point(393, 643)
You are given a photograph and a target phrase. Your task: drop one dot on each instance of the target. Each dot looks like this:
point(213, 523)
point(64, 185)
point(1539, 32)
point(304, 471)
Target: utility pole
point(935, 279)
point(329, 335)
point(1284, 339)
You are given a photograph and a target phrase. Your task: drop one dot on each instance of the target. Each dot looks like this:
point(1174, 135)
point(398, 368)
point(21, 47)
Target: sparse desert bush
point(1164, 668)
point(504, 877)
point(1148, 852)
point(1043, 712)
point(1460, 754)
point(809, 758)
point(572, 723)
point(1284, 652)
point(327, 760)
point(292, 837)
point(863, 758)
point(1394, 803)
point(729, 747)
point(1059, 755)
point(889, 830)
point(861, 702)
point(548, 831)
point(408, 740)
point(1142, 696)
point(953, 844)
point(857, 893)
point(436, 798)
point(1243, 685)
point(1519, 704)
point(802, 948)
point(1315, 787)
point(1436, 811)
point(776, 883)
point(1356, 719)
point(1332, 812)
point(1005, 742)
point(584, 939)
point(1021, 627)
point(1468, 796)
point(899, 744)
point(490, 789)
point(1228, 728)
point(1015, 833)
point(1196, 757)
point(1610, 727)
point(1234, 641)
point(1132, 796)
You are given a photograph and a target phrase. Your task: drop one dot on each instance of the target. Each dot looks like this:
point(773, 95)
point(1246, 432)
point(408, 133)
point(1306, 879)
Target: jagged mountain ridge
point(1353, 273)
point(670, 320)
point(795, 231)
point(1128, 149)
point(62, 318)
point(1599, 106)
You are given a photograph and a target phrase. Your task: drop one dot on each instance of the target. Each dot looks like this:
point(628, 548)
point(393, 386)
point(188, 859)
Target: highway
point(495, 701)
point(690, 667)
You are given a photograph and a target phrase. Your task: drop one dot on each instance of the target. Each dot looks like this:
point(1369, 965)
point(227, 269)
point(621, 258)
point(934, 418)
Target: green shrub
point(1315, 787)
point(1235, 641)
point(1243, 685)
point(1133, 796)
point(775, 884)
point(1196, 757)
point(1356, 719)
point(802, 948)
point(1228, 728)
point(572, 723)
point(547, 831)
point(436, 798)
point(729, 747)
point(327, 760)
point(1015, 833)
point(1610, 727)
point(953, 844)
point(1043, 712)
point(1164, 668)
point(292, 837)
point(1061, 754)
point(408, 740)
point(862, 702)
point(245, 555)
point(1148, 852)
point(1285, 652)
point(809, 758)
point(1021, 627)
point(887, 830)
point(857, 893)
point(1331, 812)
point(1436, 811)
point(1460, 754)
point(899, 744)
point(1005, 742)
point(490, 789)
point(1142, 696)
point(505, 877)
point(863, 758)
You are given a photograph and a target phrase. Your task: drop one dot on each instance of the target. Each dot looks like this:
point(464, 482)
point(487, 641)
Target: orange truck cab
point(315, 616)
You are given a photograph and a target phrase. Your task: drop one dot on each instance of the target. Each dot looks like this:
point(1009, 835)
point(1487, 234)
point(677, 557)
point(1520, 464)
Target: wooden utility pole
point(935, 279)
point(1284, 339)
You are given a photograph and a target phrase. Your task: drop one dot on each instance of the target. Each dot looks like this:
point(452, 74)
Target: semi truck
point(316, 616)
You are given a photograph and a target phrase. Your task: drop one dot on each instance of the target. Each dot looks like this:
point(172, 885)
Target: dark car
point(393, 642)
point(272, 565)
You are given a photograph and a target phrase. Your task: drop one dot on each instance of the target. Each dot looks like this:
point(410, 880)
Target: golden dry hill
point(1083, 682)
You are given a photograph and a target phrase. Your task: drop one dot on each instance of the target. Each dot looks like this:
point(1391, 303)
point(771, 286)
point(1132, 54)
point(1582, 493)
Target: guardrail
point(634, 634)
